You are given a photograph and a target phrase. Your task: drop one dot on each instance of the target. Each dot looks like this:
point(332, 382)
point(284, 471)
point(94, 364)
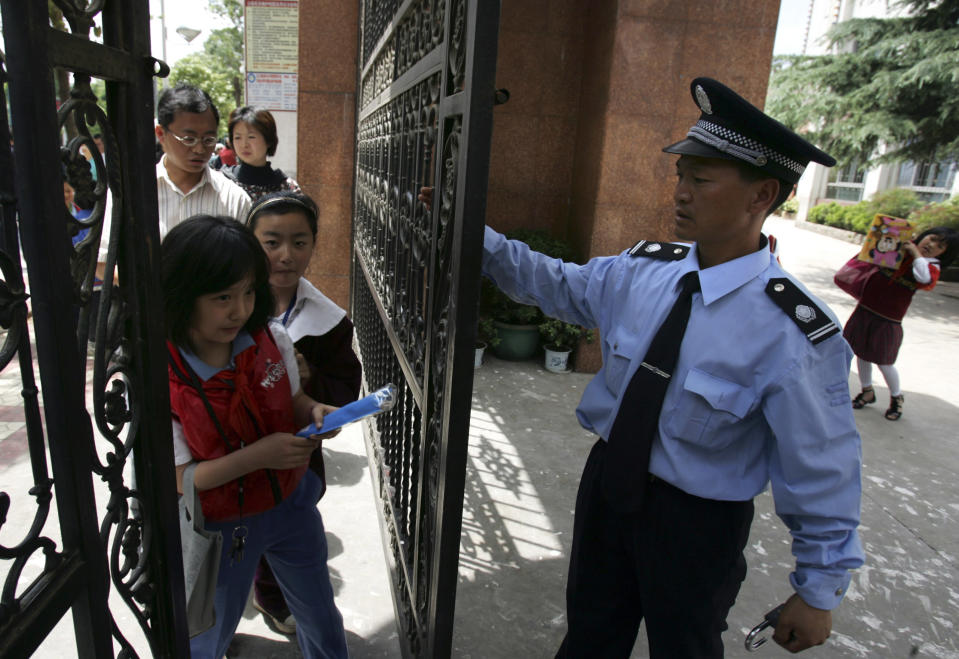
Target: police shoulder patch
point(813, 321)
point(661, 251)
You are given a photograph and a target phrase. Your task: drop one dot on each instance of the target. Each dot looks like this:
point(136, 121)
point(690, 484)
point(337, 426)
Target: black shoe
point(866, 397)
point(895, 408)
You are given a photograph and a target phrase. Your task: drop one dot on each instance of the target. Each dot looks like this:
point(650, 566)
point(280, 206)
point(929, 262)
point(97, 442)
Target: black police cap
point(731, 128)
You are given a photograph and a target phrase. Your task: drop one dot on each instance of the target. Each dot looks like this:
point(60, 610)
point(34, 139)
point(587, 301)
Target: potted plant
point(517, 324)
point(789, 208)
point(486, 336)
point(559, 340)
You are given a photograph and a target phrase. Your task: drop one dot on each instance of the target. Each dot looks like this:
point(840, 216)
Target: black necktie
point(631, 437)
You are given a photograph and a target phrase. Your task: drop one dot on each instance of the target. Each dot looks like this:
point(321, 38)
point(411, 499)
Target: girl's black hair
point(205, 254)
point(281, 203)
point(950, 237)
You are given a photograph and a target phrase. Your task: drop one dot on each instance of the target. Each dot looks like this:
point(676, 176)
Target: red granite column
point(326, 121)
point(635, 100)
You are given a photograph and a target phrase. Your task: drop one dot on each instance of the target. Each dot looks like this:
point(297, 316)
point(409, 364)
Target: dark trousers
point(266, 589)
point(677, 562)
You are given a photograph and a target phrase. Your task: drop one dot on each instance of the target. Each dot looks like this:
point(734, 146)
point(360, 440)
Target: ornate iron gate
point(132, 541)
point(424, 120)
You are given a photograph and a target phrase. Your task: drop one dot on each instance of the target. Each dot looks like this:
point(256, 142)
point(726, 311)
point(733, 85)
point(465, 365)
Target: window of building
point(846, 182)
point(932, 181)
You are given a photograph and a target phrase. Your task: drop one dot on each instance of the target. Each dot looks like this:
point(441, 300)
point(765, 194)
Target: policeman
point(754, 392)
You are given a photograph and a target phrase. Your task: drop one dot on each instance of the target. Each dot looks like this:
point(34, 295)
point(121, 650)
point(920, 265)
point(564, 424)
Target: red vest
point(889, 293)
point(251, 401)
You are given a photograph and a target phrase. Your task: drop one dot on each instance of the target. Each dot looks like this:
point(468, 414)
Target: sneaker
point(282, 620)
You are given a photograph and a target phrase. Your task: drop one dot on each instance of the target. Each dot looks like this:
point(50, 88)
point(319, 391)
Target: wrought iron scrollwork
point(86, 277)
point(412, 309)
point(16, 343)
point(115, 398)
point(420, 31)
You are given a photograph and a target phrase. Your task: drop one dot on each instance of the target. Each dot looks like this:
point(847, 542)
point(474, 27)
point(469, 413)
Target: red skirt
point(872, 337)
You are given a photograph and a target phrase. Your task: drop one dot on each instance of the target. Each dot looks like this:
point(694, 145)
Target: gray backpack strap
point(191, 498)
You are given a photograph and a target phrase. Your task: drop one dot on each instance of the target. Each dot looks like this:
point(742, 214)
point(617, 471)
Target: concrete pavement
point(526, 454)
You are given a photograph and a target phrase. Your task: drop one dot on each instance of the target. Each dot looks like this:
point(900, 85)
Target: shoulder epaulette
point(813, 321)
point(661, 251)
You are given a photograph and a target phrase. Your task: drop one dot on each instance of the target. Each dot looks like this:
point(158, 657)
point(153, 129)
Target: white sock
point(865, 372)
point(891, 376)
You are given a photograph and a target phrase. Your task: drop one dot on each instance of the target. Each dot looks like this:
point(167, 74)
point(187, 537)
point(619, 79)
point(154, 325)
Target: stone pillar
point(640, 58)
point(326, 126)
point(540, 62)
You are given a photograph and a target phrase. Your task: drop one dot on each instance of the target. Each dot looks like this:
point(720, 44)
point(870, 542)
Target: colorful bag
point(852, 277)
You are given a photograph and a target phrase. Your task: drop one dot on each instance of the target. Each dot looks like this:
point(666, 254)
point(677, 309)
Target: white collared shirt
point(313, 313)
point(215, 194)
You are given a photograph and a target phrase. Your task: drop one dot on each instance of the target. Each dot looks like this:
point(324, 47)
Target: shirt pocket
point(615, 367)
point(709, 409)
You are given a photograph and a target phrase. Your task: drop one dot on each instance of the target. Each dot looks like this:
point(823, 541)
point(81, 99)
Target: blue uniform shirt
point(752, 400)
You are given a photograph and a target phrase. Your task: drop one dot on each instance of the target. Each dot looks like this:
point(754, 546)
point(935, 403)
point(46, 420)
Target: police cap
point(731, 128)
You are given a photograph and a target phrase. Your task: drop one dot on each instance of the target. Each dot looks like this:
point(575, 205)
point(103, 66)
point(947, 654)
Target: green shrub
point(943, 214)
point(790, 206)
point(486, 332)
point(897, 202)
point(819, 214)
point(559, 335)
point(858, 218)
point(496, 305)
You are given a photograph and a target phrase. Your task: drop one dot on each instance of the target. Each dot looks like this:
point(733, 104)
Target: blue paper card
point(380, 400)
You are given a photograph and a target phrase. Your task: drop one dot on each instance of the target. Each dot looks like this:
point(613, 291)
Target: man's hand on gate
point(426, 196)
point(802, 626)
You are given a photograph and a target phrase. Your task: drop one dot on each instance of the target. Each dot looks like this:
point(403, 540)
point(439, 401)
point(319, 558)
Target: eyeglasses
point(190, 141)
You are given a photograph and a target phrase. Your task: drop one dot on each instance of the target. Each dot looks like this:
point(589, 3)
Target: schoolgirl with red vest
point(236, 401)
point(285, 223)
point(874, 330)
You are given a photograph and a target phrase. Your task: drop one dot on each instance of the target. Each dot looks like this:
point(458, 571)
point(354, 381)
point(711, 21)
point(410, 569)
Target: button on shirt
point(751, 401)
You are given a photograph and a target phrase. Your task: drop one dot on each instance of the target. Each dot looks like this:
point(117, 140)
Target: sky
point(791, 30)
point(181, 13)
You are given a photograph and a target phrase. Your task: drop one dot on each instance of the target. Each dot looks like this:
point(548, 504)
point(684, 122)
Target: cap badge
point(703, 100)
point(653, 247)
point(804, 313)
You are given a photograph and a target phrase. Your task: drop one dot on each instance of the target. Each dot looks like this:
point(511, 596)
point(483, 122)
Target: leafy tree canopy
point(219, 68)
point(891, 81)
point(229, 9)
point(199, 69)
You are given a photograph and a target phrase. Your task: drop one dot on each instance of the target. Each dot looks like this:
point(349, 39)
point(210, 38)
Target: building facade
point(852, 182)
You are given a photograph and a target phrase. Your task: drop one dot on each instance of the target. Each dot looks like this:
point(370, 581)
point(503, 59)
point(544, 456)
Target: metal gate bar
point(424, 119)
point(134, 544)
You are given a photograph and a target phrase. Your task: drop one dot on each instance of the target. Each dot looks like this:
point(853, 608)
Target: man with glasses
point(186, 129)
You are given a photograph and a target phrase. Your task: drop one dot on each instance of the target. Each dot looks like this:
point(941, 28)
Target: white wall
point(285, 157)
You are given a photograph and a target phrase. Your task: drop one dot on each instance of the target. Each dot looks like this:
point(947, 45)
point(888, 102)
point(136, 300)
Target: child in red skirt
point(874, 330)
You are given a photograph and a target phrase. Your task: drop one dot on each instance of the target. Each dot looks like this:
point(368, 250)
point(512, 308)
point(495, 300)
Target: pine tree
point(892, 82)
